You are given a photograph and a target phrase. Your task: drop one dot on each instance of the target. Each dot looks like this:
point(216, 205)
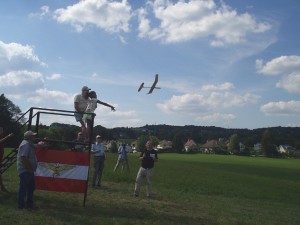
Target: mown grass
point(188, 189)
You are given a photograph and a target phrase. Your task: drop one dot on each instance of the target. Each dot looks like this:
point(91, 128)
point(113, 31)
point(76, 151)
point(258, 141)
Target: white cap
point(98, 136)
point(29, 134)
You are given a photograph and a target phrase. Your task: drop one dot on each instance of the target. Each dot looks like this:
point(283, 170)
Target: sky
point(230, 63)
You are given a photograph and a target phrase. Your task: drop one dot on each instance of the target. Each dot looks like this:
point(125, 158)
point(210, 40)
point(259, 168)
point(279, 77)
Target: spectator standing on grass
point(98, 150)
point(122, 158)
point(26, 166)
point(147, 157)
point(80, 104)
point(91, 107)
point(2, 139)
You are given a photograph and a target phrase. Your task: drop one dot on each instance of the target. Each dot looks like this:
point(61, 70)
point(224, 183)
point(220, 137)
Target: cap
point(29, 134)
point(98, 136)
point(85, 88)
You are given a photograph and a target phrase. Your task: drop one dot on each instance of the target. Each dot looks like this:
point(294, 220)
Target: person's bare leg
point(88, 130)
point(83, 128)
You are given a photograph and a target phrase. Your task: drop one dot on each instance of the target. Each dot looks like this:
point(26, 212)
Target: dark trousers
point(98, 170)
point(26, 189)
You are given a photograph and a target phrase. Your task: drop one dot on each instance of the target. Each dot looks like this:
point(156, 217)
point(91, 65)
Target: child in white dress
point(91, 107)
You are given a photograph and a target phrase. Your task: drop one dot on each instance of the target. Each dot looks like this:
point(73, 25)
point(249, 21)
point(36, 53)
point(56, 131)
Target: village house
point(189, 145)
point(212, 146)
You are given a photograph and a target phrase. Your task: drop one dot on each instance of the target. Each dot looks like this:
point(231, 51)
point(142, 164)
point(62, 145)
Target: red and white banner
point(62, 171)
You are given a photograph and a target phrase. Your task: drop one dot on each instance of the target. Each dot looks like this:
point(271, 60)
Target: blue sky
point(227, 63)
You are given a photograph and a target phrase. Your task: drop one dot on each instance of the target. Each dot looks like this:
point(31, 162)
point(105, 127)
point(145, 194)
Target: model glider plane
point(152, 87)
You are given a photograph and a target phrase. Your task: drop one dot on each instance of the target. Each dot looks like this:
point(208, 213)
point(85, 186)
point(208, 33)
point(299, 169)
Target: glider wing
point(154, 84)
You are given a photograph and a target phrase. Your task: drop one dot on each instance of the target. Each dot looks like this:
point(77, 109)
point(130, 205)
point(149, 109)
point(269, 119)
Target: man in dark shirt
point(77, 144)
point(148, 157)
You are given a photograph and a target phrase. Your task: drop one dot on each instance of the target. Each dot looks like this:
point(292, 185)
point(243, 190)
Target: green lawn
point(189, 189)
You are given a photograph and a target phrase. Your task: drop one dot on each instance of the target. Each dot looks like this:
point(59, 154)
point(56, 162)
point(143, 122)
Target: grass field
point(188, 189)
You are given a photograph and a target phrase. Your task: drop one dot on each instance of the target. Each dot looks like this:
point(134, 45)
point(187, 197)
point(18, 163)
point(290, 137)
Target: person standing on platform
point(80, 104)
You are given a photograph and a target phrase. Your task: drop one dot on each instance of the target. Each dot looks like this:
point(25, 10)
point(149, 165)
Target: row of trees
point(267, 143)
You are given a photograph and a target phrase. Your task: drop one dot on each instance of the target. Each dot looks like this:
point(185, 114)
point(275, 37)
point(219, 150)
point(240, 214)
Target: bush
point(113, 147)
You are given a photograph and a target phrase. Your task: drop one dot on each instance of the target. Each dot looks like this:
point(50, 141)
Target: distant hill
point(200, 134)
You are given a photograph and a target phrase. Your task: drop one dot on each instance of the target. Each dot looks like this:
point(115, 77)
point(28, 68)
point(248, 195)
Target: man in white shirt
point(80, 104)
point(99, 157)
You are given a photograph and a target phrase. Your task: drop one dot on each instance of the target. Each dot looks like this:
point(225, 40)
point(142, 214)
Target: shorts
point(87, 117)
point(78, 116)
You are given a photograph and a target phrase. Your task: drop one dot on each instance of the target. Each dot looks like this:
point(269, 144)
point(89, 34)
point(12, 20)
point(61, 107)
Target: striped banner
point(62, 171)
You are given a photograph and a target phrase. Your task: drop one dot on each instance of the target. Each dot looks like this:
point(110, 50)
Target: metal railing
point(11, 158)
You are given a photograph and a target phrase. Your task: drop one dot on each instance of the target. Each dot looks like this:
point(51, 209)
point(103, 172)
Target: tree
point(177, 142)
point(113, 147)
point(154, 139)
point(233, 145)
point(8, 120)
point(8, 111)
point(141, 142)
point(267, 143)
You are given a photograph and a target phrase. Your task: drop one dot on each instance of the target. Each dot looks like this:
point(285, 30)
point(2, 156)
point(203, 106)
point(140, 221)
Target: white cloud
point(222, 87)
point(212, 118)
point(279, 66)
point(24, 81)
point(291, 83)
point(129, 122)
point(196, 103)
point(183, 21)
point(44, 12)
point(46, 98)
point(286, 66)
point(210, 104)
point(291, 108)
point(111, 16)
point(54, 76)
point(118, 118)
point(14, 56)
point(123, 114)
point(187, 103)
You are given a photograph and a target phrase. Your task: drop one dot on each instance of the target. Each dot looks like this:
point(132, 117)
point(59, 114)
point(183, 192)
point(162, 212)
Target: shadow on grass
point(115, 209)
point(112, 212)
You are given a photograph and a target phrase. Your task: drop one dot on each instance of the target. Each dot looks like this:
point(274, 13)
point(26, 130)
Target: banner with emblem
point(62, 171)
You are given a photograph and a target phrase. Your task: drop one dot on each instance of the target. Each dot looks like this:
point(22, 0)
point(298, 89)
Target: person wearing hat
point(99, 156)
point(80, 104)
point(26, 166)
